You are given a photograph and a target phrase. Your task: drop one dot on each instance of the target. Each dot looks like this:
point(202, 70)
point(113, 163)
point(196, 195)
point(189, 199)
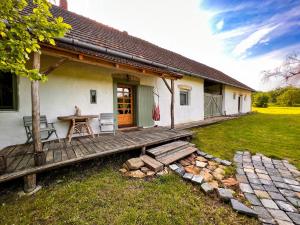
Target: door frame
point(134, 84)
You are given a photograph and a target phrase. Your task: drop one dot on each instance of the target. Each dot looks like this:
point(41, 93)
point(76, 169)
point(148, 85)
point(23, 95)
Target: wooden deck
point(20, 159)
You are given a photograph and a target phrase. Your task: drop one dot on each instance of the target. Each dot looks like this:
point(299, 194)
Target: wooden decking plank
point(64, 155)
point(166, 160)
point(166, 148)
point(23, 163)
point(49, 156)
point(84, 150)
point(57, 155)
point(70, 152)
point(77, 151)
point(15, 162)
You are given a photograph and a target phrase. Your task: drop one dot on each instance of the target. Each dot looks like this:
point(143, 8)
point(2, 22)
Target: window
point(93, 96)
point(8, 91)
point(234, 95)
point(184, 97)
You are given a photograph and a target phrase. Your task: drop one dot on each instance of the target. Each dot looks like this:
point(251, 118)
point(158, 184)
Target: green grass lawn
point(100, 195)
point(273, 131)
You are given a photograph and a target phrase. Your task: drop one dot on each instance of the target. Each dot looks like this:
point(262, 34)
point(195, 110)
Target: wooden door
point(212, 105)
point(125, 102)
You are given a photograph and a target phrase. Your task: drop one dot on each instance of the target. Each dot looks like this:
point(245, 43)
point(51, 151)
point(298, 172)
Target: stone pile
point(208, 172)
point(136, 168)
point(271, 186)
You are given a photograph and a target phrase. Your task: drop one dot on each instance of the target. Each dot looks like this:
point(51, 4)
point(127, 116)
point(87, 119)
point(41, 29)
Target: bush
point(289, 98)
point(260, 100)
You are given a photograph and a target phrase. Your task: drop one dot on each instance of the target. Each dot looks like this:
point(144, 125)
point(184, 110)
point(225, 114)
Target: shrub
point(289, 98)
point(260, 100)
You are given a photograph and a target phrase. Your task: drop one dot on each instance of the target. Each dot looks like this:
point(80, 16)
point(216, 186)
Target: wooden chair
point(107, 120)
point(46, 127)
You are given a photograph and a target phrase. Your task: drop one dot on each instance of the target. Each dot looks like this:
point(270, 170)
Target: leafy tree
point(260, 99)
point(21, 33)
point(290, 97)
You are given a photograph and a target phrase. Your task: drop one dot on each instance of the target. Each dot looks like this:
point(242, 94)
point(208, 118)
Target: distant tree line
point(286, 96)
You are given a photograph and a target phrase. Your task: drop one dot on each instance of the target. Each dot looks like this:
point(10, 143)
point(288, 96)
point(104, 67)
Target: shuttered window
point(8, 91)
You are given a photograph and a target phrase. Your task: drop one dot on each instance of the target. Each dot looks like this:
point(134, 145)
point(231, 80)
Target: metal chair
point(46, 127)
point(107, 120)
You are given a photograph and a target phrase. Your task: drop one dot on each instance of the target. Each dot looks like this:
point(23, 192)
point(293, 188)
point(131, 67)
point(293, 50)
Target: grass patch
point(272, 131)
point(103, 196)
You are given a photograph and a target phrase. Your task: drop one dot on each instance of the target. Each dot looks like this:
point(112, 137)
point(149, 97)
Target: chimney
point(63, 4)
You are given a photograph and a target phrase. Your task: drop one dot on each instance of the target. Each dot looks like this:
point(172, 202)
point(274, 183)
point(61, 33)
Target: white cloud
point(252, 40)
point(220, 25)
point(182, 27)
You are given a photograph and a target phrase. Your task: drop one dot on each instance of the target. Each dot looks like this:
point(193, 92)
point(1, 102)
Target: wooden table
point(78, 125)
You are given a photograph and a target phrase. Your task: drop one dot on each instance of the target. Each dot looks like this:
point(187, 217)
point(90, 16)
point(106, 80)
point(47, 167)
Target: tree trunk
point(172, 104)
point(35, 104)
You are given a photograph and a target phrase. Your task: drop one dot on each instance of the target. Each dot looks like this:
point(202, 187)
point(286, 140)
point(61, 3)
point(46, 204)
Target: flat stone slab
point(201, 153)
point(173, 167)
point(180, 171)
point(201, 164)
point(286, 206)
point(241, 208)
point(253, 199)
point(226, 163)
point(268, 203)
point(197, 179)
point(188, 176)
point(246, 188)
point(224, 194)
point(279, 215)
point(295, 217)
point(207, 188)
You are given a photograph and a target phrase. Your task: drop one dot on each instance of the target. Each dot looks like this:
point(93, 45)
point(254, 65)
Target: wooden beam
point(35, 107)
point(166, 83)
point(54, 66)
point(93, 60)
point(172, 104)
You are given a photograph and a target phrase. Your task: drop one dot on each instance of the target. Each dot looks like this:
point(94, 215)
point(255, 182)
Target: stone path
point(271, 186)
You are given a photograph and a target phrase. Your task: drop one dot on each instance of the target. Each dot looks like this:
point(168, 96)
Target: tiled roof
point(95, 33)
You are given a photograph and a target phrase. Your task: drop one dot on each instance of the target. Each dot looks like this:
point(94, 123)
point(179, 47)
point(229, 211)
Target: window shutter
point(145, 103)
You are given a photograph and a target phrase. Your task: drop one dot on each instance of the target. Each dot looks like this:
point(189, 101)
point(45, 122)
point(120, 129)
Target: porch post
point(172, 104)
point(35, 104)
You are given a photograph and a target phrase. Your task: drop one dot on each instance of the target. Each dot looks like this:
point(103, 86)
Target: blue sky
point(240, 38)
point(273, 24)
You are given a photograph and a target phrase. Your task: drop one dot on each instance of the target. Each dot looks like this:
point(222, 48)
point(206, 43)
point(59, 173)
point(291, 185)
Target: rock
point(207, 188)
point(230, 182)
point(291, 181)
point(295, 217)
point(252, 199)
point(201, 153)
point(262, 194)
point(224, 194)
point(294, 201)
point(276, 196)
point(201, 164)
point(180, 171)
point(279, 215)
point(136, 174)
point(217, 175)
point(162, 173)
point(209, 156)
point(123, 170)
point(246, 188)
point(241, 208)
point(268, 203)
point(184, 162)
point(286, 206)
point(125, 166)
point(226, 163)
point(192, 169)
point(150, 173)
point(206, 176)
point(188, 176)
point(173, 167)
point(220, 171)
point(211, 168)
point(296, 188)
point(145, 169)
point(218, 160)
point(201, 159)
point(212, 163)
point(214, 184)
point(197, 179)
point(263, 215)
point(134, 163)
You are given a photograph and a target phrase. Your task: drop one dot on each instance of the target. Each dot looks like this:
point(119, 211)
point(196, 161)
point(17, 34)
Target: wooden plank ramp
point(171, 152)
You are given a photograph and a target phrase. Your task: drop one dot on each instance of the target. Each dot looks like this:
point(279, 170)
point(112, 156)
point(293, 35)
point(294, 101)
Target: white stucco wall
point(231, 105)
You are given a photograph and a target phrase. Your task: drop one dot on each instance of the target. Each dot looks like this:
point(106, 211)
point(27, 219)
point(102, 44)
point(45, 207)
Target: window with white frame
point(184, 97)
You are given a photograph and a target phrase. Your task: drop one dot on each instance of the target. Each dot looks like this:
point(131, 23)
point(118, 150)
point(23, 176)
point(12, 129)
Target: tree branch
point(54, 66)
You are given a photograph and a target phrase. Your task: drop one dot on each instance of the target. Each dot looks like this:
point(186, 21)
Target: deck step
point(164, 149)
point(166, 160)
point(153, 164)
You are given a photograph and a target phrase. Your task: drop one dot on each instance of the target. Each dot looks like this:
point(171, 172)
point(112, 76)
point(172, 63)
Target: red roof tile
point(95, 33)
